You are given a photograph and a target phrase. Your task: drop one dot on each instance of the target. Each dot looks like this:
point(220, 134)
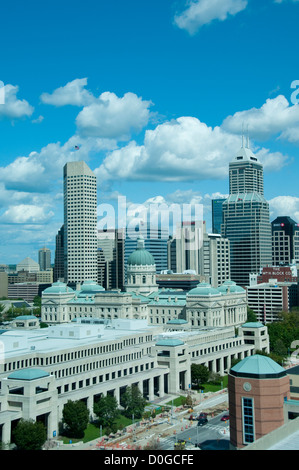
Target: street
point(213, 435)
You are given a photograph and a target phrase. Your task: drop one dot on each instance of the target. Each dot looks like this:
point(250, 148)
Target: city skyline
point(154, 98)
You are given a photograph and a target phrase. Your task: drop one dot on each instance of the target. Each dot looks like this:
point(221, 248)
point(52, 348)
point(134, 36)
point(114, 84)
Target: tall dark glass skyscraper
point(285, 240)
point(217, 215)
point(246, 219)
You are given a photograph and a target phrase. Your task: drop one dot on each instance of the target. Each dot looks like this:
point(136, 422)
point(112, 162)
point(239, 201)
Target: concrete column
point(117, 394)
point(161, 386)
point(6, 432)
point(151, 389)
point(221, 366)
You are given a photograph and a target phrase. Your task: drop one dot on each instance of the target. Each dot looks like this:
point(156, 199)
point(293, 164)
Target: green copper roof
point(253, 324)
point(90, 288)
point(258, 366)
point(204, 289)
point(170, 342)
point(231, 286)
point(28, 374)
point(58, 288)
point(26, 317)
point(141, 257)
point(177, 322)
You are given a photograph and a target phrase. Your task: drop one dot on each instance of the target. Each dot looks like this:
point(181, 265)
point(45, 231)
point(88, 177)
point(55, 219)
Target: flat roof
point(16, 342)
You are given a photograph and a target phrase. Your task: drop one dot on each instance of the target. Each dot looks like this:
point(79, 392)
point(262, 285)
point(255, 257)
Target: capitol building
point(203, 306)
point(98, 342)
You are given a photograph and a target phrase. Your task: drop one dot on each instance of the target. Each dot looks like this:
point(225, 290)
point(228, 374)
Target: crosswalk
point(221, 431)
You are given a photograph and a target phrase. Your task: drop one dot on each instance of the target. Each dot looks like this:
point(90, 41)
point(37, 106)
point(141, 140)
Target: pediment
point(205, 305)
point(49, 302)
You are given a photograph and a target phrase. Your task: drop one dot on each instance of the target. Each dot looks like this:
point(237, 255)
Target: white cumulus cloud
point(25, 214)
point(73, 93)
point(284, 206)
point(113, 117)
point(12, 107)
point(276, 117)
point(184, 149)
point(106, 116)
point(201, 12)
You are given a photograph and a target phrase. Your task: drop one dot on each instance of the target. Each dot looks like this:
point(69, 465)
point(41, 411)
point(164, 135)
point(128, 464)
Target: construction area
point(167, 424)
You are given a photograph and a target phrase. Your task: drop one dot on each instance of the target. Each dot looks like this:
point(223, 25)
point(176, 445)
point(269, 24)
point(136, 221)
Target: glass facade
point(246, 219)
point(217, 215)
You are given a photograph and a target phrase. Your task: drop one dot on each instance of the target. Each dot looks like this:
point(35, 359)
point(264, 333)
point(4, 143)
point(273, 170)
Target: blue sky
point(154, 93)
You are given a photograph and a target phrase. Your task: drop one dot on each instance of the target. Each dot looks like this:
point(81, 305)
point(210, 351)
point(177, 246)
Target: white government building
point(99, 342)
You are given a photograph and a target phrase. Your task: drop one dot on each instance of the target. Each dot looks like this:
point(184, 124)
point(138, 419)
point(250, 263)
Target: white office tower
point(215, 258)
point(184, 248)
point(80, 223)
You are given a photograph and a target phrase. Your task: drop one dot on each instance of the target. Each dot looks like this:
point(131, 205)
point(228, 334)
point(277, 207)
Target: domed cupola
point(203, 289)
point(141, 257)
point(141, 270)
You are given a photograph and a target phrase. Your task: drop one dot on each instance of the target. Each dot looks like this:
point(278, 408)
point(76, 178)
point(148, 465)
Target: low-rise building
point(268, 299)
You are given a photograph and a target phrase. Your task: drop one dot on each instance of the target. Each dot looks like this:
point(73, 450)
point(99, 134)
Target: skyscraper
point(184, 247)
point(285, 239)
point(80, 223)
point(58, 271)
point(44, 259)
point(246, 219)
point(214, 258)
point(217, 215)
point(111, 250)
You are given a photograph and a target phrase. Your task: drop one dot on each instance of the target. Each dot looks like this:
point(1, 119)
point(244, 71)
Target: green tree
point(133, 402)
point(2, 307)
point(37, 303)
point(106, 410)
point(251, 316)
point(29, 435)
point(75, 417)
point(199, 373)
point(285, 330)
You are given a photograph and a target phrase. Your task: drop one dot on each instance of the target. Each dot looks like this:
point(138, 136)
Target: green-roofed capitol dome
point(141, 270)
point(203, 289)
point(141, 257)
point(58, 288)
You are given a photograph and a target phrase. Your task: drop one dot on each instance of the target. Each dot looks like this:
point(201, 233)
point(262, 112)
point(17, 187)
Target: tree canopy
point(199, 373)
point(133, 402)
point(29, 435)
point(106, 410)
point(283, 332)
point(75, 418)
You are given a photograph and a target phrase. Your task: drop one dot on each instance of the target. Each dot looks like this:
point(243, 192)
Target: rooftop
point(258, 366)
point(28, 374)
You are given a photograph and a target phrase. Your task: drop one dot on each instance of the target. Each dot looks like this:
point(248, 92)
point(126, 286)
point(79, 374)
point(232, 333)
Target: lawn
point(94, 432)
point(208, 387)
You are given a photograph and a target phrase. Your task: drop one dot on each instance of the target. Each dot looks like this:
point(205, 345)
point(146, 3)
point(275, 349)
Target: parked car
point(225, 418)
point(202, 415)
point(202, 421)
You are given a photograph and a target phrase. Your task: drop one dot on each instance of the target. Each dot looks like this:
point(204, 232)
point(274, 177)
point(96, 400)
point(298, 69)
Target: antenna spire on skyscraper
point(247, 138)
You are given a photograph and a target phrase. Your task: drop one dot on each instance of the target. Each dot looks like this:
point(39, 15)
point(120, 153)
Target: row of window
point(213, 349)
point(104, 377)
